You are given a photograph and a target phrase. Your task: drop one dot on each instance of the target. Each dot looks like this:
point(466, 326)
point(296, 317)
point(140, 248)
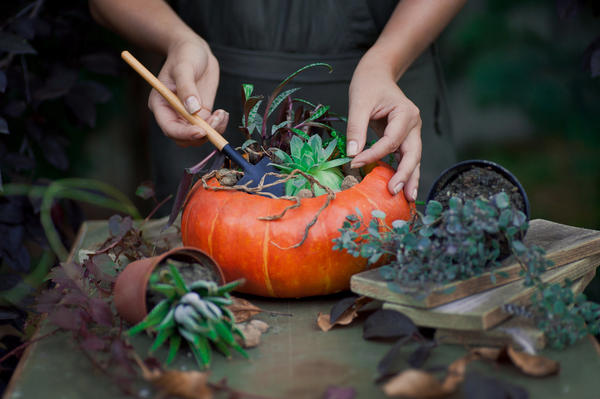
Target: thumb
point(183, 75)
point(356, 131)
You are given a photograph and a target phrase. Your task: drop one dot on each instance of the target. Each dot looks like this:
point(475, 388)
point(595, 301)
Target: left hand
point(376, 99)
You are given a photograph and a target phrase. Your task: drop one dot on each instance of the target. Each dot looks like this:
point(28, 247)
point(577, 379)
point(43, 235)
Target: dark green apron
point(263, 41)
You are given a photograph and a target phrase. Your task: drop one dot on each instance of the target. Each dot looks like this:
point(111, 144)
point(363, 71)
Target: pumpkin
point(226, 225)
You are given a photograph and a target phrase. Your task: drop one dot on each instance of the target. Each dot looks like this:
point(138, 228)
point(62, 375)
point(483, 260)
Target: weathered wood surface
point(501, 334)
point(484, 310)
point(563, 244)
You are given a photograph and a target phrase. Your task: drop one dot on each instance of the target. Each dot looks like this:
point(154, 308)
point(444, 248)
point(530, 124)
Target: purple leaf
point(3, 126)
point(54, 152)
point(102, 63)
point(336, 392)
point(82, 107)
point(420, 355)
point(11, 211)
point(93, 343)
point(14, 109)
point(2, 81)
point(95, 267)
point(93, 91)
point(478, 386)
point(24, 27)
point(118, 226)
point(392, 362)
point(591, 58)
point(386, 323)
point(340, 307)
point(15, 44)
point(59, 83)
point(100, 312)
point(75, 298)
point(48, 300)
point(65, 318)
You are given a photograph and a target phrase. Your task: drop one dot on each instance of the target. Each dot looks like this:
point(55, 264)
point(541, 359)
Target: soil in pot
point(479, 181)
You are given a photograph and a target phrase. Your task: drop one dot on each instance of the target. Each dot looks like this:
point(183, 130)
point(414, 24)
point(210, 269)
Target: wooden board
point(500, 335)
point(484, 310)
point(563, 244)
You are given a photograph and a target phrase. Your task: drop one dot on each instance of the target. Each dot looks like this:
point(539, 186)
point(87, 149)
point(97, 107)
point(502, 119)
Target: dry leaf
point(252, 332)
point(535, 365)
point(183, 384)
point(487, 353)
point(324, 320)
point(243, 310)
point(415, 384)
point(456, 372)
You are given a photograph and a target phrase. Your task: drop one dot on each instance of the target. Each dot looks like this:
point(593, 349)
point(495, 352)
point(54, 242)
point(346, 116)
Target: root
point(282, 179)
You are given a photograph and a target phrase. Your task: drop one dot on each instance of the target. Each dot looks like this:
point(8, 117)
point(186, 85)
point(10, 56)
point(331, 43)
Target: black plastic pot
point(452, 172)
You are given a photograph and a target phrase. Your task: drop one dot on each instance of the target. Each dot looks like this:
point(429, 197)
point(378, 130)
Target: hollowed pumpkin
point(225, 225)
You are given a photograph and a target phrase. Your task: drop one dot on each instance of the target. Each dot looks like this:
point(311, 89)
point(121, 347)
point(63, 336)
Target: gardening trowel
point(252, 173)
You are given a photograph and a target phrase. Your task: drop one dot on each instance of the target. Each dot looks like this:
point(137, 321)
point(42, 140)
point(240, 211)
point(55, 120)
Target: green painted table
point(294, 360)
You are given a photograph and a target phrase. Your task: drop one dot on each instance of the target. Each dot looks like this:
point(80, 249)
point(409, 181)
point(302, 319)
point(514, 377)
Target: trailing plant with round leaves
point(466, 240)
point(196, 312)
point(312, 158)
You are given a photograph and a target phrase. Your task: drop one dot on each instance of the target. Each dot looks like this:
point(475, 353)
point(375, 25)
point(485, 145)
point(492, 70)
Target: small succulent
point(313, 159)
point(196, 312)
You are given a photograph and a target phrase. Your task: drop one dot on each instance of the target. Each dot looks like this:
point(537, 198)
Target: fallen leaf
point(488, 353)
point(342, 313)
point(184, 384)
point(252, 332)
point(387, 323)
point(335, 392)
point(534, 365)
point(415, 384)
point(392, 362)
point(243, 310)
point(420, 355)
point(477, 386)
point(456, 372)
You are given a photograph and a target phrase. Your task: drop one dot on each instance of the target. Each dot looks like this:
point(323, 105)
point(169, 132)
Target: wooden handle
point(213, 136)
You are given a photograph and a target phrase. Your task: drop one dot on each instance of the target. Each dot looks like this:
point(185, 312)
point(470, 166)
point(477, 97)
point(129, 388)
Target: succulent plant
point(313, 159)
point(196, 312)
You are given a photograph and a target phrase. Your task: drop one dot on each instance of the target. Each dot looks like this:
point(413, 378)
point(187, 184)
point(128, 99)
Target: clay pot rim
point(450, 173)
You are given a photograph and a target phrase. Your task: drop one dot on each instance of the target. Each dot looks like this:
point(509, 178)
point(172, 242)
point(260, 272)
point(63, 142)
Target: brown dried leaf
point(456, 372)
point(243, 310)
point(415, 384)
point(324, 320)
point(252, 332)
point(184, 384)
point(534, 365)
point(487, 353)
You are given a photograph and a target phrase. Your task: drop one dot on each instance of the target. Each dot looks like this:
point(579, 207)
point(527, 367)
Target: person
point(212, 47)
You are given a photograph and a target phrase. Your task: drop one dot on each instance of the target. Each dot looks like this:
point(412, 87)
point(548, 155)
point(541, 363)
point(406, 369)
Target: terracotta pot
point(130, 287)
point(227, 225)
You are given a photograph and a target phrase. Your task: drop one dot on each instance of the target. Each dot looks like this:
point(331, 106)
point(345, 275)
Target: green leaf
point(501, 200)
point(174, 344)
point(378, 214)
point(155, 316)
point(300, 133)
point(318, 113)
point(161, 338)
point(280, 98)
point(333, 163)
point(296, 145)
point(178, 281)
point(276, 128)
point(283, 156)
point(254, 119)
point(291, 76)
point(434, 208)
point(165, 289)
point(247, 89)
point(201, 352)
point(248, 143)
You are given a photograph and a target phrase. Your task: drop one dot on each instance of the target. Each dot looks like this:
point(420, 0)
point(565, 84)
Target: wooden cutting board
point(484, 310)
point(563, 244)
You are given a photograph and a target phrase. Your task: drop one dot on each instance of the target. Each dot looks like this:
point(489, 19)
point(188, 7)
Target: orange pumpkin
point(225, 225)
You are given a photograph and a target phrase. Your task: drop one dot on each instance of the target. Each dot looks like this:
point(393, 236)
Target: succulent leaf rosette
point(312, 158)
point(196, 312)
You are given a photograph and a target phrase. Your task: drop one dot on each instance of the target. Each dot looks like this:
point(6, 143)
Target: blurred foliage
point(543, 59)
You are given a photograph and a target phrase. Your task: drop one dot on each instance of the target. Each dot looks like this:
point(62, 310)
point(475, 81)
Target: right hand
point(192, 72)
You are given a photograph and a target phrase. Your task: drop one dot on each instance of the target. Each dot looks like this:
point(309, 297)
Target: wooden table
point(295, 359)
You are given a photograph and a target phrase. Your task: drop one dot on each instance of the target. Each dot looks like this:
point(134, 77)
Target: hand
point(192, 72)
point(375, 98)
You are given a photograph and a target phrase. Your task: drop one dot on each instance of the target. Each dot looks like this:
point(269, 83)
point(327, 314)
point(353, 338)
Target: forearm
point(148, 23)
point(413, 26)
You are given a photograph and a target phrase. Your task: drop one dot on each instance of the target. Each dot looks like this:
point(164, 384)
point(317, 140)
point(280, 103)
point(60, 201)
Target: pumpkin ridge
point(369, 200)
point(265, 254)
point(213, 226)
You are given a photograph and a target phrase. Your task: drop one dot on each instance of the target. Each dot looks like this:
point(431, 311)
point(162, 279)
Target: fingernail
point(356, 165)
point(398, 188)
point(217, 118)
point(414, 195)
point(192, 105)
point(352, 148)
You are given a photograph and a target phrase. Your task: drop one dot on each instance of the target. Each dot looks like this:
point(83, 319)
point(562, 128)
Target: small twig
point(24, 345)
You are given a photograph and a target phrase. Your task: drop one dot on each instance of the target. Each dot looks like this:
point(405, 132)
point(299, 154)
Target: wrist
point(184, 36)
